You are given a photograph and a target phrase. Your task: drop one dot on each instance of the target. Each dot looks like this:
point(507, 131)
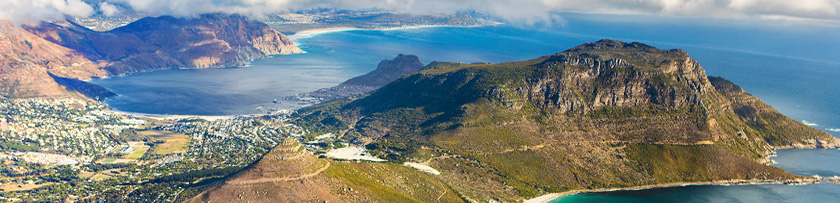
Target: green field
point(172, 142)
point(139, 150)
point(100, 177)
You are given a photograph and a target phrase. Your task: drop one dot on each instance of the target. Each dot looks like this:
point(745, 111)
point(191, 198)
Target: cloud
point(518, 11)
point(31, 11)
point(108, 9)
point(514, 11)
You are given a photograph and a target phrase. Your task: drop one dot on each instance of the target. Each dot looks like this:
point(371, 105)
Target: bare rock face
point(596, 75)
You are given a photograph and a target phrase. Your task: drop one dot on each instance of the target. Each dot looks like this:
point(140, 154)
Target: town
point(71, 149)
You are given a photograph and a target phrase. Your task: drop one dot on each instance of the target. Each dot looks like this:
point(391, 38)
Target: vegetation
point(17, 147)
point(167, 142)
point(88, 89)
point(603, 114)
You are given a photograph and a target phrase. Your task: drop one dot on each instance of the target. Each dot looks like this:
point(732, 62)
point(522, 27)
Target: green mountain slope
point(602, 114)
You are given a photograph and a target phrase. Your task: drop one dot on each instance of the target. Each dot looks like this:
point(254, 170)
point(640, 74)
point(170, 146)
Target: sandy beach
point(310, 33)
point(178, 117)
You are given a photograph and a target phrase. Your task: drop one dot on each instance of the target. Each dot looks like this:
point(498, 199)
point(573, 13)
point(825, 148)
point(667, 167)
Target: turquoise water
point(823, 192)
point(793, 68)
point(823, 162)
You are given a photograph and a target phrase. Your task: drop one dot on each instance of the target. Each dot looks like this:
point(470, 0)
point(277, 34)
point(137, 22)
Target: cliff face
point(154, 43)
point(603, 114)
point(387, 71)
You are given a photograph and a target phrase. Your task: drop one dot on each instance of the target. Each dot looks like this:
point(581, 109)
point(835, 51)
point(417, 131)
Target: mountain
point(30, 54)
point(165, 42)
point(288, 173)
point(604, 114)
point(27, 59)
point(387, 71)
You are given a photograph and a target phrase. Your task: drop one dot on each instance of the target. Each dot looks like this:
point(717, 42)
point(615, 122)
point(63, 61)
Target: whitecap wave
point(809, 123)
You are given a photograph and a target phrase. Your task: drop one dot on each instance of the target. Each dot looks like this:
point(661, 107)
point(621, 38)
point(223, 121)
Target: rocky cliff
point(154, 43)
point(600, 115)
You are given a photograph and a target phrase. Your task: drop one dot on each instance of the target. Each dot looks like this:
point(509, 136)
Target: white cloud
point(515, 11)
point(108, 9)
point(518, 11)
point(30, 11)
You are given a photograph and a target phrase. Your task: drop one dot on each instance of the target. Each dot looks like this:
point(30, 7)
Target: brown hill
point(290, 174)
point(26, 59)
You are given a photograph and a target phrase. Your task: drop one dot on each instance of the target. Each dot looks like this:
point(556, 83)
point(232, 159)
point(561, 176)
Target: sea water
point(792, 67)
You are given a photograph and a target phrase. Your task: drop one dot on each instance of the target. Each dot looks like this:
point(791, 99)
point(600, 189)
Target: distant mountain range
point(68, 50)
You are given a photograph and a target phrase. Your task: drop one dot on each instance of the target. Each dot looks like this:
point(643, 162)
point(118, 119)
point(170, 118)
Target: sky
point(526, 12)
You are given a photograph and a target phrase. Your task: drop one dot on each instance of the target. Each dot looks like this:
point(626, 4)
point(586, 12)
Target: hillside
point(290, 174)
point(600, 115)
point(26, 61)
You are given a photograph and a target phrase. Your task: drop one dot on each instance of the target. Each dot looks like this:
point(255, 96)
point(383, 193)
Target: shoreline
point(798, 181)
point(178, 117)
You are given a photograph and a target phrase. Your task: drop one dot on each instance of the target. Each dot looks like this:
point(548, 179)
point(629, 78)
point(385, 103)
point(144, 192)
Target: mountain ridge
point(165, 42)
point(68, 50)
point(600, 115)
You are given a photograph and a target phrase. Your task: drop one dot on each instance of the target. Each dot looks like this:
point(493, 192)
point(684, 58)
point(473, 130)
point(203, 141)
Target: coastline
point(178, 117)
point(799, 181)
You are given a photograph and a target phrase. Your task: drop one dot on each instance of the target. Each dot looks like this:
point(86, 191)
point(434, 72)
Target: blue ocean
point(791, 66)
